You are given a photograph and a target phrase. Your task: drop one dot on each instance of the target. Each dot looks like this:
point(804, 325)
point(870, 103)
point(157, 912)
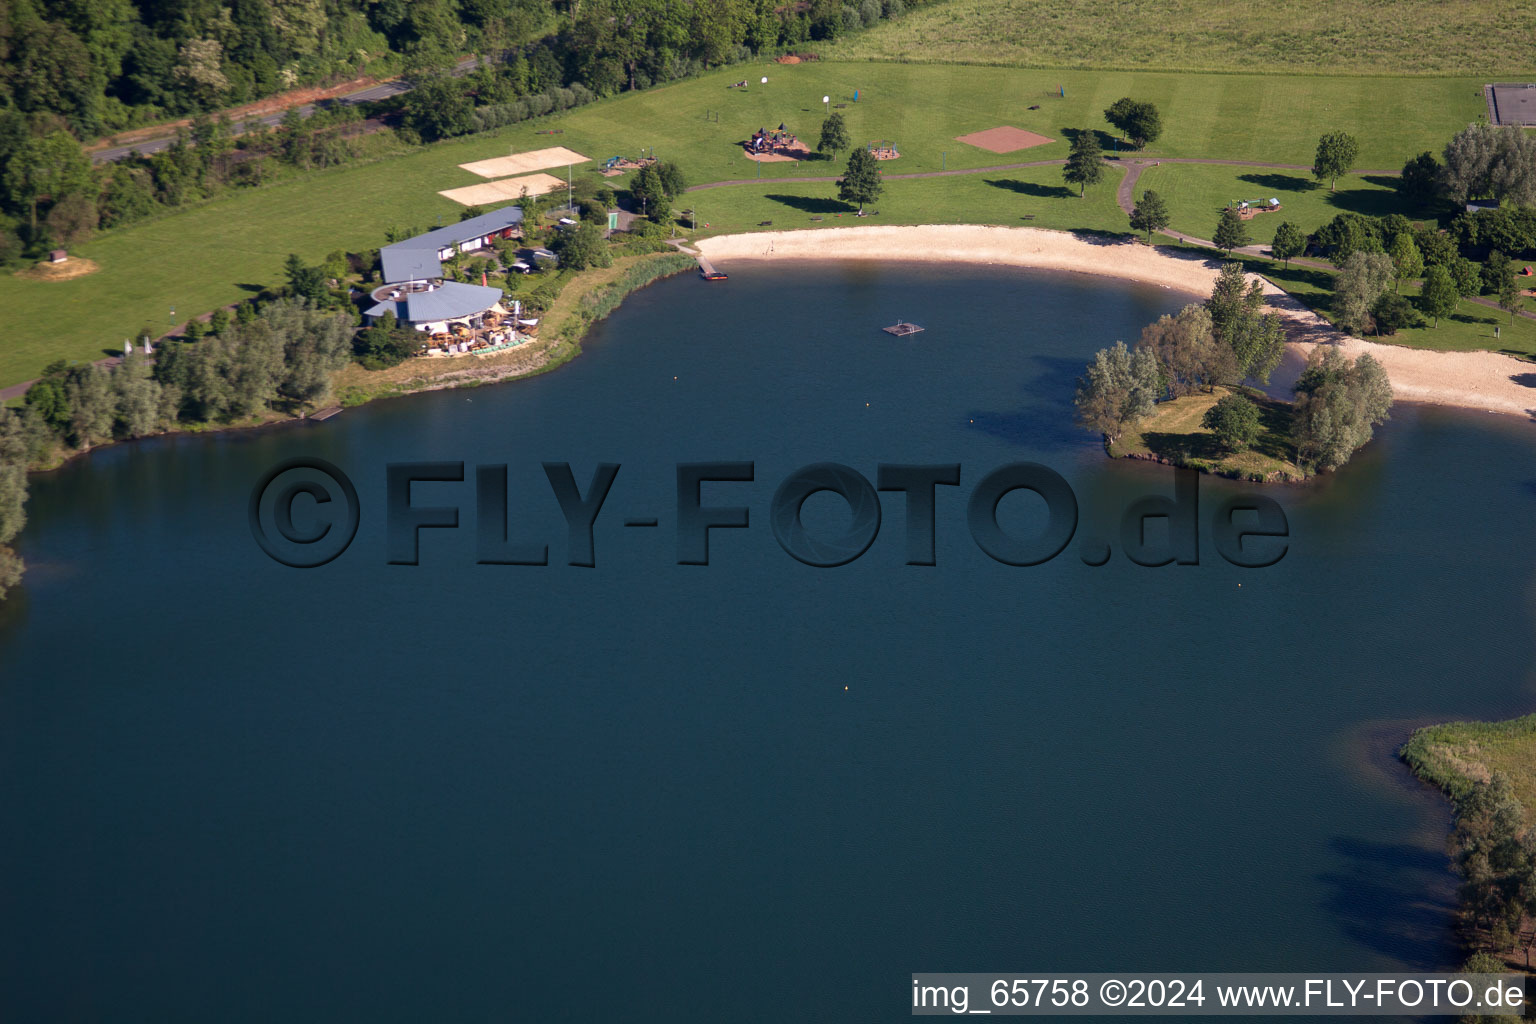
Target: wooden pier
point(901, 329)
point(707, 269)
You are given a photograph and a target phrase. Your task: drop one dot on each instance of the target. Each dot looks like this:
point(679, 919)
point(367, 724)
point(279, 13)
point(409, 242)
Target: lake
point(752, 790)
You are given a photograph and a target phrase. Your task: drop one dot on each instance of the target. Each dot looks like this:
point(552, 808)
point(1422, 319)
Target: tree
point(647, 187)
point(1336, 153)
point(137, 397)
point(861, 182)
point(1507, 289)
point(384, 343)
point(1290, 241)
point(1487, 162)
point(92, 406)
point(1118, 388)
point(1391, 312)
point(1255, 338)
point(1338, 406)
point(1407, 264)
point(1231, 231)
point(1189, 356)
point(1420, 180)
point(46, 165)
point(1467, 275)
point(304, 282)
point(673, 182)
point(1137, 120)
point(13, 495)
point(1235, 422)
point(1440, 296)
point(1150, 214)
point(438, 109)
point(1364, 277)
point(72, 219)
point(834, 136)
point(1085, 164)
point(582, 247)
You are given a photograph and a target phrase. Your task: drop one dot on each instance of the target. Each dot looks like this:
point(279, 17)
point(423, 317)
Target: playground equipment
point(1247, 209)
point(881, 149)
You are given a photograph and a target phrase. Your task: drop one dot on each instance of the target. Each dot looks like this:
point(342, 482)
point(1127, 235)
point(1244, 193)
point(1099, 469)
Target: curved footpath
point(1486, 381)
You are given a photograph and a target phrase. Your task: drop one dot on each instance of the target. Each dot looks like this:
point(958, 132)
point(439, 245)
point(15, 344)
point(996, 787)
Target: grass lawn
point(1426, 36)
point(1196, 193)
point(1030, 197)
point(1174, 432)
point(1454, 755)
point(198, 259)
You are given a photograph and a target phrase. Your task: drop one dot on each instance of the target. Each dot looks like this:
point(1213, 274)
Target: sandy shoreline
point(1485, 381)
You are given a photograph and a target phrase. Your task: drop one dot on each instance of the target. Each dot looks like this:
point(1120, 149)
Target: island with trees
point(1184, 394)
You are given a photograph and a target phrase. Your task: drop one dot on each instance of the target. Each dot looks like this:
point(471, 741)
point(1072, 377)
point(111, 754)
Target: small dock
point(707, 269)
point(901, 329)
point(325, 414)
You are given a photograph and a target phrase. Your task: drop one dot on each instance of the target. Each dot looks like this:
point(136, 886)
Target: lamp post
point(828, 101)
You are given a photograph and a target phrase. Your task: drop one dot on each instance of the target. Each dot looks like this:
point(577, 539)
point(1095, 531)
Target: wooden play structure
point(1247, 209)
point(617, 165)
point(883, 149)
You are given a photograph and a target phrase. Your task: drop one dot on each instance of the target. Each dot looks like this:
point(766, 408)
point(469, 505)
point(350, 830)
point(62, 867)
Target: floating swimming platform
point(901, 329)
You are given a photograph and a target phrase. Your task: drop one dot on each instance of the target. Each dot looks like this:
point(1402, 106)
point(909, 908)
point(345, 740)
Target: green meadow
point(1425, 37)
point(197, 259)
point(1196, 193)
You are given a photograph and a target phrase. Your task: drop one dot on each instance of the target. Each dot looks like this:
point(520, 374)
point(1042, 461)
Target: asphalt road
point(383, 90)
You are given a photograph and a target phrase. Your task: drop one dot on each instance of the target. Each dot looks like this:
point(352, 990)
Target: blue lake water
point(755, 790)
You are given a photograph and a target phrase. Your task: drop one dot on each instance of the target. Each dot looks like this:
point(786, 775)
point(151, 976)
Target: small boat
point(714, 275)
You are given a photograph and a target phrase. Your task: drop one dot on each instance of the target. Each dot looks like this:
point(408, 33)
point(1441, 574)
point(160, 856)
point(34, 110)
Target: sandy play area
point(1473, 380)
point(521, 163)
point(784, 155)
point(492, 192)
point(1003, 139)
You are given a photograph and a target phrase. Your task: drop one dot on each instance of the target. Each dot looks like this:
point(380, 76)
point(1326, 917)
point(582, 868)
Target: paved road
point(383, 90)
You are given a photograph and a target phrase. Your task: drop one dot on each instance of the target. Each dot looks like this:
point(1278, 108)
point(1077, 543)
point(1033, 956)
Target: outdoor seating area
point(493, 332)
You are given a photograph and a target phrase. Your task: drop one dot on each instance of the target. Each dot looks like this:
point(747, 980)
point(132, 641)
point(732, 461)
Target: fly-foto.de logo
point(305, 512)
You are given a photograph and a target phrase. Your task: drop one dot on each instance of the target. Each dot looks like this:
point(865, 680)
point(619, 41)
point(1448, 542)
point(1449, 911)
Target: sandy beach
point(1486, 381)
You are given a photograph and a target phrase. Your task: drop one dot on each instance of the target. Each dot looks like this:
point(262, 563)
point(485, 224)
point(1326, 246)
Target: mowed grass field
point(1457, 754)
point(1196, 193)
point(198, 259)
point(1382, 36)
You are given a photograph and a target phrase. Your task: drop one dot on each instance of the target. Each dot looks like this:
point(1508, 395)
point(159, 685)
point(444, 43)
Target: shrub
point(1235, 422)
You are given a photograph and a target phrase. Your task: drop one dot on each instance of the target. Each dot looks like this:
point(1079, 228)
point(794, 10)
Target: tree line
point(1221, 343)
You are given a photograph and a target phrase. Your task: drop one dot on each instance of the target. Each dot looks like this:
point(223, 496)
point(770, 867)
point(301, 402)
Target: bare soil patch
point(70, 268)
point(1003, 139)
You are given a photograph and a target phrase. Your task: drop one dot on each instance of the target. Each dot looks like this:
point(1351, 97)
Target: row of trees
point(282, 358)
point(1223, 342)
point(278, 359)
point(13, 494)
point(1482, 162)
point(105, 65)
point(1495, 855)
